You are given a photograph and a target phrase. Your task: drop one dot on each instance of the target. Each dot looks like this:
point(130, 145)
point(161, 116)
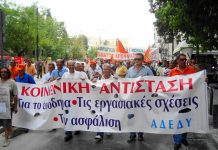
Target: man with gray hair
point(79, 67)
point(106, 74)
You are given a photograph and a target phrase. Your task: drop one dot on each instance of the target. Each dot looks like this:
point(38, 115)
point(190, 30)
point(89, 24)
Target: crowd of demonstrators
point(94, 70)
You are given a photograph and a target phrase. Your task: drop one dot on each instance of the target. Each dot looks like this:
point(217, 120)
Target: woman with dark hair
point(6, 81)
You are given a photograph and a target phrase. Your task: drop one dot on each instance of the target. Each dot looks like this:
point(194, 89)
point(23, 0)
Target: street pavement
point(45, 140)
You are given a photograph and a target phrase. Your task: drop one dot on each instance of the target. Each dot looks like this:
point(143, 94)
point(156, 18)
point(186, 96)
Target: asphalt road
point(44, 140)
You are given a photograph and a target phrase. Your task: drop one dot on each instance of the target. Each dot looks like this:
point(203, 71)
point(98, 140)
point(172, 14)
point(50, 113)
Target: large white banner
point(165, 105)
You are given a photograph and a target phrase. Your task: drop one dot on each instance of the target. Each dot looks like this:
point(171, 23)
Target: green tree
point(21, 30)
point(194, 21)
point(79, 46)
point(92, 53)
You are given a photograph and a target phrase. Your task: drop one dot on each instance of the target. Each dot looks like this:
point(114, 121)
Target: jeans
point(179, 138)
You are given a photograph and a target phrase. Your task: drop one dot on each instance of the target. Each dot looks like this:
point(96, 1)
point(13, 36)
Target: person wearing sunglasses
point(136, 71)
point(181, 69)
point(13, 68)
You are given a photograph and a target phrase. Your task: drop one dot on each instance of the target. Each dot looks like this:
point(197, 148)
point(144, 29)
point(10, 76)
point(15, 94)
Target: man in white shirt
point(76, 75)
point(107, 74)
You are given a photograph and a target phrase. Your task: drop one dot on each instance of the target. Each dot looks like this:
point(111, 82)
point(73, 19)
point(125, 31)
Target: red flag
point(112, 59)
point(147, 55)
point(119, 47)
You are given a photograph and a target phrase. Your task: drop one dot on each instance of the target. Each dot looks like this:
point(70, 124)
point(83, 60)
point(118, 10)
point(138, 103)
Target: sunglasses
point(137, 59)
point(4, 72)
point(183, 59)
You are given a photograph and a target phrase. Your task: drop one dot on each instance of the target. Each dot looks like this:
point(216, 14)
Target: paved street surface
point(35, 140)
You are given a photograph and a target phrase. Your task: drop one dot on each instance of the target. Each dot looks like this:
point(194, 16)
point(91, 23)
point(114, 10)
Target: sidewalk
point(213, 133)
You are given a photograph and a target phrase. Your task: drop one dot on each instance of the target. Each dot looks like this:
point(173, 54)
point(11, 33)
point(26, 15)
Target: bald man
point(76, 75)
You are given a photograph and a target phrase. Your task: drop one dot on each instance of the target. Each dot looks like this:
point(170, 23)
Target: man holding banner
point(136, 71)
point(75, 75)
point(181, 69)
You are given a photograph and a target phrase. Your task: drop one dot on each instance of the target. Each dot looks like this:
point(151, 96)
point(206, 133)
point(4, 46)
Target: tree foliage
point(21, 31)
point(192, 20)
point(92, 53)
point(79, 46)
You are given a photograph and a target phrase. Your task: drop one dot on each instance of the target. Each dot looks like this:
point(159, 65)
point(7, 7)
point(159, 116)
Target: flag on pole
point(112, 59)
point(147, 55)
point(119, 47)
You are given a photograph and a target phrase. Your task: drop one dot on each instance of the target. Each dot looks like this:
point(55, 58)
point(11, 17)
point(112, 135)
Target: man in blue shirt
point(136, 71)
point(24, 77)
point(58, 73)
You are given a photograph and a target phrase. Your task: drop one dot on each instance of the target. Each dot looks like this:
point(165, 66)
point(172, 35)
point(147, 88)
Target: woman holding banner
point(6, 82)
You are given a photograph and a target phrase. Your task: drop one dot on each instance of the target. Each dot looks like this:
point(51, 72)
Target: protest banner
point(5, 110)
point(163, 105)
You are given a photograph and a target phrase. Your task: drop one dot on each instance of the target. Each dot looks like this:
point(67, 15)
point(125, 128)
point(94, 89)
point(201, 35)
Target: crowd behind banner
point(95, 72)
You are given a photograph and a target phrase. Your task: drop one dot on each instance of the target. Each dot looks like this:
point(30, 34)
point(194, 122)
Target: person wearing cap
point(122, 72)
point(119, 65)
point(94, 71)
point(23, 77)
point(30, 68)
point(13, 68)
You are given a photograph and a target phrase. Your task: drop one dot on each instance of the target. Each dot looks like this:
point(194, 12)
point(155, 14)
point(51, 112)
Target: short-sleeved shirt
point(12, 87)
point(31, 70)
point(58, 73)
point(14, 72)
point(47, 76)
point(26, 79)
point(76, 75)
point(144, 71)
point(176, 71)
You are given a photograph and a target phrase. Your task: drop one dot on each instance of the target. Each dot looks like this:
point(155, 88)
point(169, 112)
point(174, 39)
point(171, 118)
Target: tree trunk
point(197, 53)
